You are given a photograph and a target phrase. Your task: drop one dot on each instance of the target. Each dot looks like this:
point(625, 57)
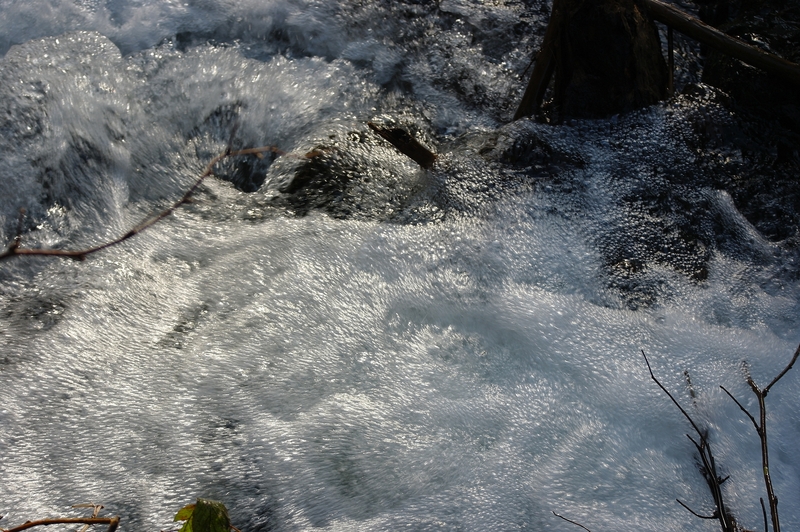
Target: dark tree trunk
point(608, 59)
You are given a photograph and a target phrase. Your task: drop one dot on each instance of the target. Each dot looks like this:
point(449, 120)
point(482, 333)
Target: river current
point(452, 349)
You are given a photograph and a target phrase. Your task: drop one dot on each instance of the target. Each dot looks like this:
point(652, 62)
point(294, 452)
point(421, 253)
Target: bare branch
point(784, 372)
point(14, 249)
point(112, 522)
point(571, 521)
point(652, 376)
point(761, 429)
point(708, 467)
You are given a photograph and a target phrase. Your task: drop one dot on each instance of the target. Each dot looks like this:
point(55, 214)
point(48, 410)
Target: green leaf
point(204, 516)
point(210, 516)
point(184, 513)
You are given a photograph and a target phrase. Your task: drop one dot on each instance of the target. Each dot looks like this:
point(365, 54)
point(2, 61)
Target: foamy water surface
point(476, 369)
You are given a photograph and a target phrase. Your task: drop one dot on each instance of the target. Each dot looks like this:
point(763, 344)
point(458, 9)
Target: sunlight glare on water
point(476, 369)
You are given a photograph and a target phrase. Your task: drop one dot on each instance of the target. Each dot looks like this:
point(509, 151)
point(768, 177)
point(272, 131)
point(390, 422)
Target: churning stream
point(347, 341)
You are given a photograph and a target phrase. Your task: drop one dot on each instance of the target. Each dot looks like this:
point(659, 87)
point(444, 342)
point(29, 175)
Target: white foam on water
point(362, 376)
point(476, 373)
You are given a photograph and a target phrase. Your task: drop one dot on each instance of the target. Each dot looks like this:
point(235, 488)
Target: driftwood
point(543, 69)
point(606, 58)
point(702, 32)
point(405, 144)
point(112, 522)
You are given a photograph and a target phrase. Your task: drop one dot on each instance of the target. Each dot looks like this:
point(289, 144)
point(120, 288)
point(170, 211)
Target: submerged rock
point(356, 174)
point(352, 174)
point(677, 173)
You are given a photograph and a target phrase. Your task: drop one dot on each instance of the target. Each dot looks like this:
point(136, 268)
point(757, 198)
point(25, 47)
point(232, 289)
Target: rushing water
point(458, 349)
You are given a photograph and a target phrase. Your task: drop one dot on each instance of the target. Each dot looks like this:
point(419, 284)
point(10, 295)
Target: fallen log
point(708, 35)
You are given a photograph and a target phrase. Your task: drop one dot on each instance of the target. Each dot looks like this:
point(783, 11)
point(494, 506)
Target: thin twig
point(95, 512)
point(687, 416)
point(571, 521)
point(784, 372)
point(764, 511)
point(713, 516)
point(709, 466)
point(755, 423)
point(14, 249)
point(112, 522)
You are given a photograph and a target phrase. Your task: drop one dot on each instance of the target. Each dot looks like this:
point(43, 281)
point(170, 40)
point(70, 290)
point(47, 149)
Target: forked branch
point(761, 430)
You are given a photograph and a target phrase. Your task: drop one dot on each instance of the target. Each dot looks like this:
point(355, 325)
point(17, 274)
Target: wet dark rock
point(608, 59)
point(69, 162)
point(530, 148)
point(320, 183)
point(766, 111)
point(249, 173)
point(358, 175)
point(351, 175)
point(221, 128)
